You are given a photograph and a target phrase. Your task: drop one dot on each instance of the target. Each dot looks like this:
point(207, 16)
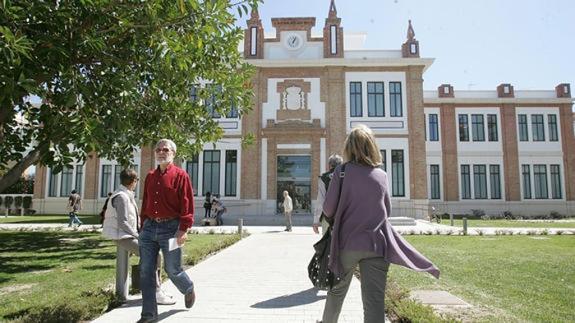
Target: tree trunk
point(12, 176)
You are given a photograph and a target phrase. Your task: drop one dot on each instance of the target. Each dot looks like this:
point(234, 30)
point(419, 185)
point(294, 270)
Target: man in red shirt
point(167, 213)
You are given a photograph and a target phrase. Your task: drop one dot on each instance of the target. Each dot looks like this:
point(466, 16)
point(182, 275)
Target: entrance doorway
point(294, 176)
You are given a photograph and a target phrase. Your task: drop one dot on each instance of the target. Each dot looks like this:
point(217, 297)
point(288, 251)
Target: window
point(61, 184)
point(434, 180)
point(117, 171)
point(555, 181)
point(465, 182)
point(492, 127)
point(479, 182)
point(211, 182)
point(106, 181)
point(355, 99)
point(194, 93)
point(211, 101)
point(395, 103)
point(109, 183)
point(233, 113)
point(231, 172)
point(79, 177)
point(397, 173)
point(66, 183)
point(552, 123)
point(523, 132)
point(383, 160)
point(540, 181)
point(526, 174)
point(495, 181)
point(463, 128)
point(192, 170)
point(538, 128)
point(477, 127)
point(375, 106)
point(433, 128)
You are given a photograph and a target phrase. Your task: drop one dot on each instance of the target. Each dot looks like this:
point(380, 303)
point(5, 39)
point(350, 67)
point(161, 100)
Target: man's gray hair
point(168, 143)
point(334, 161)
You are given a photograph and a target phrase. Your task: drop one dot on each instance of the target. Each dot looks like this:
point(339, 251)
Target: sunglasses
point(163, 150)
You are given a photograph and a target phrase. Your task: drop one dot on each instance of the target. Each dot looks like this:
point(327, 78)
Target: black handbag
point(317, 269)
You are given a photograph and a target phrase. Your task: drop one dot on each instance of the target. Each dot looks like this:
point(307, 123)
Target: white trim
point(322, 156)
point(333, 39)
point(351, 62)
point(254, 40)
point(293, 146)
point(547, 161)
point(59, 182)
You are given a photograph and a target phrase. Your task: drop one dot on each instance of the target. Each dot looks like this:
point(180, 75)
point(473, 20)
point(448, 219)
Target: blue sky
point(477, 44)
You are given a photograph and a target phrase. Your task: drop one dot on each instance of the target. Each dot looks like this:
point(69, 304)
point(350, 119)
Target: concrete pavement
point(262, 278)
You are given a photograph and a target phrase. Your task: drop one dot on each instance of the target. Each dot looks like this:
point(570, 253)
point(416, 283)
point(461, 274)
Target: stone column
point(450, 169)
point(416, 120)
point(510, 153)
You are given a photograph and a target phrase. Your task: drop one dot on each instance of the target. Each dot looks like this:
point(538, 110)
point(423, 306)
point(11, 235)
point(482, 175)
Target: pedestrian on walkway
point(218, 209)
point(361, 233)
point(121, 225)
point(74, 205)
point(322, 186)
point(167, 213)
point(288, 208)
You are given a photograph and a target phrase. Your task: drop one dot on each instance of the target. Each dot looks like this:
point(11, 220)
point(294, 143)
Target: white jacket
point(123, 224)
point(288, 205)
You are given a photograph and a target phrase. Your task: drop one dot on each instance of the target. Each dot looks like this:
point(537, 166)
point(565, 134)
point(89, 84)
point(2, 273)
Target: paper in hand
point(173, 244)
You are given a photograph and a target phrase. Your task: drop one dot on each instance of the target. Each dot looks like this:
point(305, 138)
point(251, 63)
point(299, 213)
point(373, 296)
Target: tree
point(111, 76)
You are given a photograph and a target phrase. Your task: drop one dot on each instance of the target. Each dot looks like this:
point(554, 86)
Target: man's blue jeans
point(73, 219)
point(153, 237)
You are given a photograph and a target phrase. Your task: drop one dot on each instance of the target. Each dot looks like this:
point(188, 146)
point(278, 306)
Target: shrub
point(18, 202)
point(8, 201)
point(559, 232)
point(556, 215)
point(477, 213)
point(544, 232)
point(1, 200)
point(27, 202)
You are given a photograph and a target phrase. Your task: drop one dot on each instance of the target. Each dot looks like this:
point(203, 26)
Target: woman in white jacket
point(121, 224)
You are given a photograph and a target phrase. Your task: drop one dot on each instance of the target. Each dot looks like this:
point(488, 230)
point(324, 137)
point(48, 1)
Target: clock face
point(293, 41)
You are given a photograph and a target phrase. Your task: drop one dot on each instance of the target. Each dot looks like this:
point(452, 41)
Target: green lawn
point(67, 276)
point(507, 278)
point(474, 223)
point(49, 218)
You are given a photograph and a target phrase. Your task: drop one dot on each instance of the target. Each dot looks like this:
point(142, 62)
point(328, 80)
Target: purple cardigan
point(361, 220)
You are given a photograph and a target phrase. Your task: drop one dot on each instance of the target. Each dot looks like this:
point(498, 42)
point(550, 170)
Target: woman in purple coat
point(361, 232)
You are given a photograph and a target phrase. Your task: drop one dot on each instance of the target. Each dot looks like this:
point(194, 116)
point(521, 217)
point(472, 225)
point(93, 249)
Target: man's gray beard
point(164, 161)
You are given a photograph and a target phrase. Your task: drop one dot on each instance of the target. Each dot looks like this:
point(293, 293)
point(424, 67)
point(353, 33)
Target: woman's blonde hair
point(360, 147)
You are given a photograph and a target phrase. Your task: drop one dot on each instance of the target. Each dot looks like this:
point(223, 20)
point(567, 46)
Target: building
point(500, 150)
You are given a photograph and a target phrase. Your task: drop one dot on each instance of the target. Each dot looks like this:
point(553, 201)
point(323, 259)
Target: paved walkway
point(262, 278)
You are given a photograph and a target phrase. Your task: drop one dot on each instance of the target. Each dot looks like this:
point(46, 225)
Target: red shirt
point(167, 195)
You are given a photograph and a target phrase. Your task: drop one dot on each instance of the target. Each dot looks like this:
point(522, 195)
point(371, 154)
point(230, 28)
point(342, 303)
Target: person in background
point(121, 224)
point(288, 208)
point(322, 186)
point(208, 205)
point(167, 213)
point(361, 232)
point(74, 205)
point(218, 209)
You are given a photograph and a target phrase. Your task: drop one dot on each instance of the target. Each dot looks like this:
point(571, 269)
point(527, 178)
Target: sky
point(476, 44)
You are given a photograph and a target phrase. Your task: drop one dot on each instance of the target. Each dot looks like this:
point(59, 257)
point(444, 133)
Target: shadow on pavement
point(307, 296)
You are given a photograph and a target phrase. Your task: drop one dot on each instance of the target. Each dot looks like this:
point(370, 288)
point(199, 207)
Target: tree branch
point(15, 172)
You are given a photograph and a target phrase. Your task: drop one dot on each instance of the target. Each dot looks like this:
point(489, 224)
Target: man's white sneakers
point(164, 299)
